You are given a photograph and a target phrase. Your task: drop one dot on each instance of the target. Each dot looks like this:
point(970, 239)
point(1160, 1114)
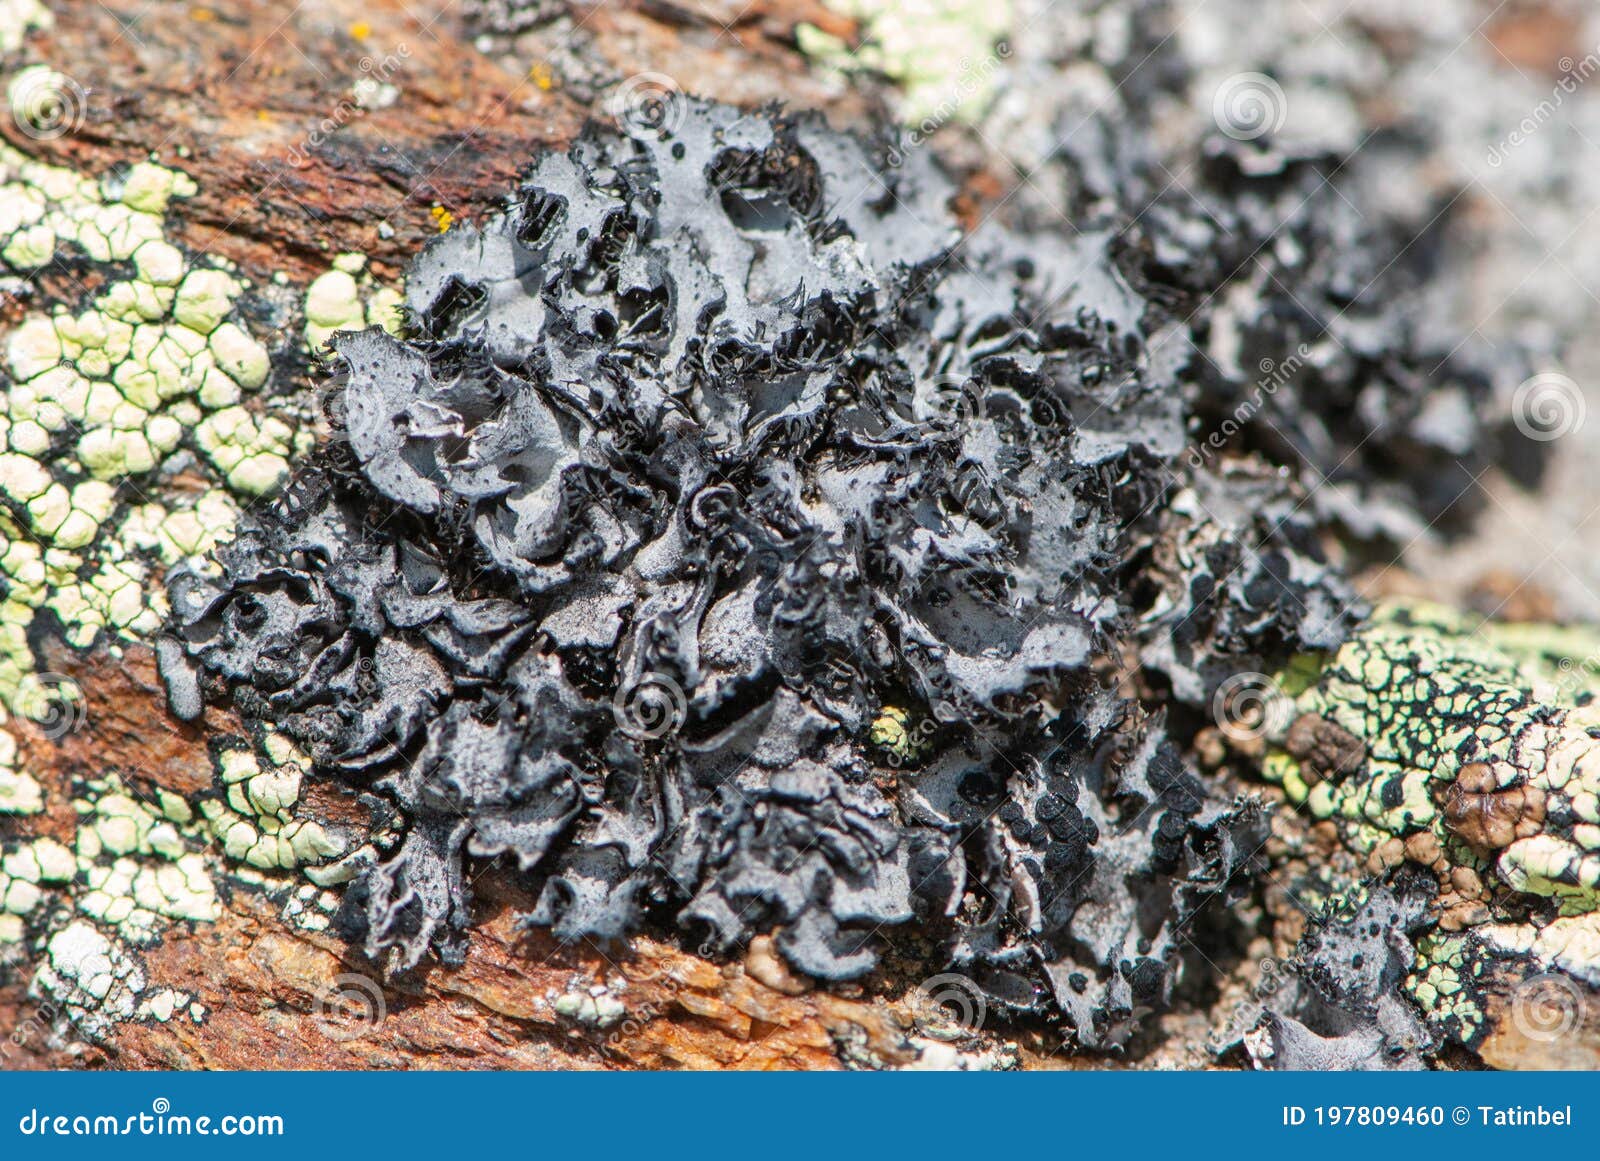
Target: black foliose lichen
point(710, 459)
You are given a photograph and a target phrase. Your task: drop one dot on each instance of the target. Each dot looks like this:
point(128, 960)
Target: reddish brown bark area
point(255, 99)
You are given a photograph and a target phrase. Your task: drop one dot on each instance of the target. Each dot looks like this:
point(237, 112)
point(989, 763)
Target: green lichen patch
point(137, 417)
point(91, 977)
point(591, 1005)
point(1478, 752)
point(138, 868)
point(106, 401)
point(942, 55)
point(144, 860)
point(1469, 748)
point(347, 299)
point(1447, 984)
point(310, 908)
point(254, 821)
point(20, 793)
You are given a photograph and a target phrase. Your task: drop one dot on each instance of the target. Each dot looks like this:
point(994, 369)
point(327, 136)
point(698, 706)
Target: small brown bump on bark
point(1467, 881)
point(1423, 847)
point(1324, 749)
point(1390, 853)
point(1489, 819)
point(1458, 914)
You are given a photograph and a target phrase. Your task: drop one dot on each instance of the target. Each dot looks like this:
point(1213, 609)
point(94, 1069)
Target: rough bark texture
point(237, 95)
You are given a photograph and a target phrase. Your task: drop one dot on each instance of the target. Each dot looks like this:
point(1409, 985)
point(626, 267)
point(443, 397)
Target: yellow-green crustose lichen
point(140, 862)
point(143, 859)
point(347, 299)
point(134, 867)
point(1452, 971)
point(942, 54)
point(1447, 984)
point(20, 792)
point(138, 410)
point(1478, 757)
point(256, 824)
point(891, 731)
point(146, 373)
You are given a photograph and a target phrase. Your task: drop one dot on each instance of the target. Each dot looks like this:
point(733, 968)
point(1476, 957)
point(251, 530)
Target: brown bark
point(234, 94)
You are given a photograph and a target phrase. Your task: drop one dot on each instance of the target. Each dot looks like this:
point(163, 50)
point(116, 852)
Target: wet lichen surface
point(734, 545)
point(735, 549)
point(616, 579)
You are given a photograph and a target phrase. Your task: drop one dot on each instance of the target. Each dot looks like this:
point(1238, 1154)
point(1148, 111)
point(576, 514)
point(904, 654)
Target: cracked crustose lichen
point(636, 580)
point(1474, 753)
point(1467, 749)
point(139, 371)
point(144, 859)
point(137, 412)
